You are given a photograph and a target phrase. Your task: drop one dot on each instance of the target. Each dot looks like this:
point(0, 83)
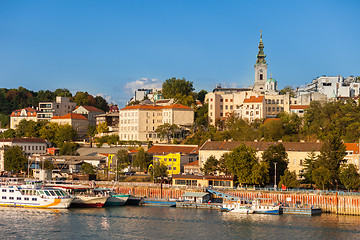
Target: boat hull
point(91, 202)
point(116, 200)
point(42, 203)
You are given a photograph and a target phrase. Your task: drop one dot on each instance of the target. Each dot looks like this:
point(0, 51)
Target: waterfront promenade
point(329, 202)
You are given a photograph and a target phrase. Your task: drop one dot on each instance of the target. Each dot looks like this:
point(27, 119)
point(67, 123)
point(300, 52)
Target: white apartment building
point(29, 145)
point(140, 122)
point(60, 107)
point(28, 114)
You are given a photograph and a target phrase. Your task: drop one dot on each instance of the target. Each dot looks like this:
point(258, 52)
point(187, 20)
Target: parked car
point(130, 173)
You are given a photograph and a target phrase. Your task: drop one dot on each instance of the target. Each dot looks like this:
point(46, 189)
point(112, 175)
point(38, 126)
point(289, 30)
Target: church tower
point(260, 69)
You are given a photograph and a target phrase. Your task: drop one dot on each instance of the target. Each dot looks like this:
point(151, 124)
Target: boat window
point(58, 192)
point(41, 192)
point(11, 198)
point(4, 190)
point(52, 193)
point(26, 199)
point(18, 198)
point(3, 197)
point(34, 199)
point(11, 190)
point(47, 193)
point(63, 193)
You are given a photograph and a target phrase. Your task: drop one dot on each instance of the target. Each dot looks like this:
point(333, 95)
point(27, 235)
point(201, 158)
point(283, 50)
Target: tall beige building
point(60, 107)
point(140, 122)
point(77, 121)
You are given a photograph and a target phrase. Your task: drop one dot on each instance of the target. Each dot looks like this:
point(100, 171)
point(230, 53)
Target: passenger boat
point(239, 206)
point(262, 205)
point(83, 196)
point(33, 197)
point(115, 199)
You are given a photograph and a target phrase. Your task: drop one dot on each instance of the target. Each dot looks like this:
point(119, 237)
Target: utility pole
point(275, 186)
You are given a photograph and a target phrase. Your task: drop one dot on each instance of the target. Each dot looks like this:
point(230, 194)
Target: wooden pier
point(213, 206)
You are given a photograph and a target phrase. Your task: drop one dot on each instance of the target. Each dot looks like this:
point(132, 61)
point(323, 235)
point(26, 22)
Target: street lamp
point(275, 186)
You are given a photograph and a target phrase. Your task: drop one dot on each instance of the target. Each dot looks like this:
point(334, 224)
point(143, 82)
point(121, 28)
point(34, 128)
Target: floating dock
point(214, 206)
point(301, 211)
point(158, 202)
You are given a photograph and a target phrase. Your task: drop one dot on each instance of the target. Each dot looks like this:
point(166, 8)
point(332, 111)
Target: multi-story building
point(111, 119)
point(60, 107)
point(253, 108)
point(297, 151)
point(28, 114)
point(174, 157)
point(140, 122)
point(77, 121)
point(89, 112)
point(30, 146)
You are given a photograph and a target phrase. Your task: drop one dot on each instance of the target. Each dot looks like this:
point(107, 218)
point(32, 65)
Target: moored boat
point(239, 206)
point(115, 199)
point(262, 206)
point(34, 197)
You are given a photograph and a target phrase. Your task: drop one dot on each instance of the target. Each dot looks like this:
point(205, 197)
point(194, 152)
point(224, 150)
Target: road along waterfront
point(169, 223)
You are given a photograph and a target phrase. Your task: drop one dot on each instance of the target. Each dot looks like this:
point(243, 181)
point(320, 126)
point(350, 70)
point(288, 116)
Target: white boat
point(262, 206)
point(84, 196)
point(239, 206)
point(33, 197)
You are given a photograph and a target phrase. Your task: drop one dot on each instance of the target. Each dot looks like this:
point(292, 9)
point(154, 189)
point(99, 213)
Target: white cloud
point(143, 83)
point(108, 98)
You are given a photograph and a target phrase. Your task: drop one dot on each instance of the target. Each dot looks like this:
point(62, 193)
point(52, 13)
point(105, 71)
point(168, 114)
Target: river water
point(169, 223)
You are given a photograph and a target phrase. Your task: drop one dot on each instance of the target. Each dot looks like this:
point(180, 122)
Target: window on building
point(231, 107)
point(221, 107)
point(261, 77)
point(226, 100)
point(226, 107)
point(269, 109)
point(273, 101)
point(273, 109)
point(221, 100)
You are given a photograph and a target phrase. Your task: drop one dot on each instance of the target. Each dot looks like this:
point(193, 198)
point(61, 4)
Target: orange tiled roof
point(180, 106)
point(254, 99)
point(166, 149)
point(195, 163)
point(299, 106)
point(71, 116)
point(30, 112)
point(354, 147)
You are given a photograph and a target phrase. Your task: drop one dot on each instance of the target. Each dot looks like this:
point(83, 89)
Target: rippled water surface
point(169, 223)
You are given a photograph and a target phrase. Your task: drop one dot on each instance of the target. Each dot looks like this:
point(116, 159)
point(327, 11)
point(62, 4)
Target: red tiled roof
point(91, 108)
point(71, 116)
point(354, 147)
point(299, 106)
point(195, 163)
point(166, 149)
point(28, 110)
point(24, 140)
point(179, 106)
point(254, 99)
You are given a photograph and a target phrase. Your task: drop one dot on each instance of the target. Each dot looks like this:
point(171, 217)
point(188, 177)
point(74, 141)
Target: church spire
point(261, 55)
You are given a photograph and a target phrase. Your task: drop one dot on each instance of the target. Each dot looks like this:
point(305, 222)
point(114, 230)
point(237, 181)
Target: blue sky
point(112, 47)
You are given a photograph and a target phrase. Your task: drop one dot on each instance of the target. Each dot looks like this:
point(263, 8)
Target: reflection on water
point(169, 223)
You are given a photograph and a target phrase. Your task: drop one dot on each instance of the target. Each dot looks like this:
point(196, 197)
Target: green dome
point(271, 80)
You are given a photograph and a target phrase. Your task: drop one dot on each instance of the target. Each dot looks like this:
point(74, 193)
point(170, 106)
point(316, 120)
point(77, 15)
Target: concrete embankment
point(330, 203)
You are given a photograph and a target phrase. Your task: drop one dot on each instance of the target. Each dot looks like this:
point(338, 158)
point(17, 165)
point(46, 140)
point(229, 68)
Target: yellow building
point(174, 157)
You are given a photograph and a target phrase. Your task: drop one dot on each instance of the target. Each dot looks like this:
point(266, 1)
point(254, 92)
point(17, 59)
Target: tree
point(68, 148)
point(14, 159)
point(331, 157)
point(10, 133)
point(272, 130)
point(141, 159)
point(350, 177)
point(62, 92)
point(87, 168)
point(275, 154)
point(48, 132)
point(28, 128)
point(102, 128)
point(260, 174)
point(240, 162)
point(101, 103)
point(210, 166)
point(322, 177)
point(288, 89)
point(201, 95)
point(179, 89)
point(159, 171)
point(48, 165)
point(64, 133)
point(289, 179)
point(123, 159)
point(167, 131)
point(310, 164)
